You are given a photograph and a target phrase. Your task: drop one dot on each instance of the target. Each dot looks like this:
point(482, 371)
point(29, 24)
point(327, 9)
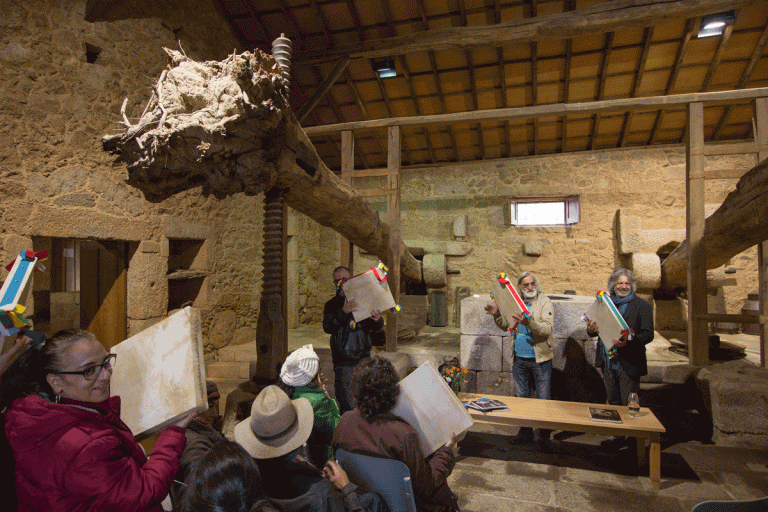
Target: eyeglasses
point(93, 371)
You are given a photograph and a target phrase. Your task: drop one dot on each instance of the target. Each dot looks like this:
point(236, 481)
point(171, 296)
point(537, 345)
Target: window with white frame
point(544, 211)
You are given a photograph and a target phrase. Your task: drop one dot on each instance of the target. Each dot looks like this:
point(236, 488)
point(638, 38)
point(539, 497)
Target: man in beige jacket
point(534, 338)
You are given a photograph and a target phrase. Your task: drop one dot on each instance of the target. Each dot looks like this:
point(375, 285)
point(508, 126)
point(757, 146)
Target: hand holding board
point(610, 324)
point(509, 301)
point(369, 291)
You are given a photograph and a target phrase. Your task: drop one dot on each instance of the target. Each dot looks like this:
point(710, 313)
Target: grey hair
point(535, 282)
point(616, 274)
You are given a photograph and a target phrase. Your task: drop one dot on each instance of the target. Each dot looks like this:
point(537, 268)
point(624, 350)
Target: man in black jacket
point(350, 341)
point(626, 363)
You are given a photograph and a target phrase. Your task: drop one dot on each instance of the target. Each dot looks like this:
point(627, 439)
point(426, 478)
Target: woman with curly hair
point(372, 429)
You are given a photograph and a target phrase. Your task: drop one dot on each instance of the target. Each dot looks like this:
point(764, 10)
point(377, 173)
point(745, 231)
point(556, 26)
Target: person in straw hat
point(300, 378)
point(274, 434)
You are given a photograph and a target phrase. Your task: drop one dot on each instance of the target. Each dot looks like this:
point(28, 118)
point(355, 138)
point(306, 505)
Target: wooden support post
point(347, 166)
point(393, 219)
point(761, 139)
point(698, 332)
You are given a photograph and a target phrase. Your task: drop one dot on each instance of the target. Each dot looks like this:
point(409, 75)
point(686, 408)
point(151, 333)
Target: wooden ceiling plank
point(595, 19)
point(718, 56)
point(551, 110)
point(323, 88)
point(297, 32)
point(503, 81)
point(692, 27)
point(388, 105)
point(534, 82)
point(647, 36)
point(472, 83)
point(601, 86)
point(356, 94)
point(324, 21)
point(416, 106)
point(743, 80)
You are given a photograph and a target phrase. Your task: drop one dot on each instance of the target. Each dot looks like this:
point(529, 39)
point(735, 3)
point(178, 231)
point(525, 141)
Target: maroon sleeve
point(119, 482)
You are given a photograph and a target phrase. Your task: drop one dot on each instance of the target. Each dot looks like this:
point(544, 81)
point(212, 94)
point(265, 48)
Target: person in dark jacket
point(72, 450)
point(275, 435)
point(626, 363)
point(350, 340)
point(371, 429)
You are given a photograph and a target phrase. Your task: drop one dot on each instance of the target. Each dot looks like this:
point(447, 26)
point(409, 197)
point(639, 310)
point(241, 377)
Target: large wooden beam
point(740, 223)
point(597, 19)
point(549, 110)
point(394, 141)
point(761, 138)
point(698, 342)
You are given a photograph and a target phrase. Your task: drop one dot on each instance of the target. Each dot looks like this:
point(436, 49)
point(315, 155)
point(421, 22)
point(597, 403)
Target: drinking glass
point(634, 405)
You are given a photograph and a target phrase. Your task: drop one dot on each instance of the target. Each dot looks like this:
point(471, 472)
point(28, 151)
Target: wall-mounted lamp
point(385, 68)
point(714, 24)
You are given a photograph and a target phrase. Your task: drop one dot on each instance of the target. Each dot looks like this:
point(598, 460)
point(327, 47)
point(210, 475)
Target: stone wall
point(64, 80)
point(649, 184)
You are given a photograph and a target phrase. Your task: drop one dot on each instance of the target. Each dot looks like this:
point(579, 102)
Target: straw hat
point(300, 367)
point(277, 425)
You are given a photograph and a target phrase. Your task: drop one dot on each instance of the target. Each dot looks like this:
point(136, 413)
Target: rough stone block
point(460, 226)
point(220, 333)
point(678, 373)
point(474, 319)
point(434, 270)
point(736, 394)
point(495, 383)
point(401, 362)
point(647, 269)
point(533, 248)
point(482, 352)
point(174, 227)
point(568, 322)
point(147, 286)
point(149, 246)
point(421, 247)
point(507, 353)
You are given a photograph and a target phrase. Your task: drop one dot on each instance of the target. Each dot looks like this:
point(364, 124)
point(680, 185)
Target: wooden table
point(574, 416)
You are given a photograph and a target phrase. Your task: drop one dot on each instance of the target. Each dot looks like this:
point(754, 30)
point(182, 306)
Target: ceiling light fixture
point(714, 24)
point(385, 68)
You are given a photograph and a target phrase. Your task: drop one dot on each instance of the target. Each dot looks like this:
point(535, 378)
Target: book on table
point(606, 415)
point(487, 405)
point(610, 324)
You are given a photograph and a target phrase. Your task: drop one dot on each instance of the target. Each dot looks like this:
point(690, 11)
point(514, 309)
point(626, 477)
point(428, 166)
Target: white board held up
point(159, 374)
point(428, 404)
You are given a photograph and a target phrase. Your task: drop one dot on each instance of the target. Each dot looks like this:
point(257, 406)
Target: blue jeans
point(529, 375)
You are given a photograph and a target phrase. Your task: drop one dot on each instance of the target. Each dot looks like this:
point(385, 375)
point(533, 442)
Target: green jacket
point(326, 418)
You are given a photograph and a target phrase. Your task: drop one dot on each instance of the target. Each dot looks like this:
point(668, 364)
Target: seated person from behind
point(225, 477)
point(299, 378)
point(202, 434)
point(274, 435)
point(371, 429)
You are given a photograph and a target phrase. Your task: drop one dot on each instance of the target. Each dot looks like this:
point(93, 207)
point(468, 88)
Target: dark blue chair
point(388, 478)
point(759, 505)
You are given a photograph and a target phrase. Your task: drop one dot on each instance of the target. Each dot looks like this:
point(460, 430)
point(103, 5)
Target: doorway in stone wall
point(86, 287)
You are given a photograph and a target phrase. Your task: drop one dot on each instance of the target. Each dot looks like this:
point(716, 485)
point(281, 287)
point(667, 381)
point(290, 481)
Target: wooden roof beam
point(323, 88)
point(601, 86)
point(743, 80)
point(552, 109)
point(416, 107)
point(596, 19)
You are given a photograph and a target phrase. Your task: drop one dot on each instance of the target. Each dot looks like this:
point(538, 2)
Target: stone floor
point(573, 473)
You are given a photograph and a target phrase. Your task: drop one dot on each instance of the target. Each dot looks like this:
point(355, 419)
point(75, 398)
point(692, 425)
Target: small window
point(544, 211)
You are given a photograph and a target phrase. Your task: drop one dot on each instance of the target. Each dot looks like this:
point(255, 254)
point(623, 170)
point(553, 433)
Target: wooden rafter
point(388, 105)
point(647, 36)
point(596, 19)
point(552, 109)
point(416, 106)
point(324, 20)
point(534, 82)
point(743, 80)
point(288, 14)
point(718, 56)
point(472, 83)
point(691, 27)
point(601, 86)
point(323, 88)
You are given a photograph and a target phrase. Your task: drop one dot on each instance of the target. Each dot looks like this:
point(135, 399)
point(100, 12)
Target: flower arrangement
point(454, 376)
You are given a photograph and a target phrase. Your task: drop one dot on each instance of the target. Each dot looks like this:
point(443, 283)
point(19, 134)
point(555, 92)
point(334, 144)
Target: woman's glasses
point(93, 371)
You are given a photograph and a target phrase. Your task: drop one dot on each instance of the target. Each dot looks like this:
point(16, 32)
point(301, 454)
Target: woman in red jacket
point(71, 449)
